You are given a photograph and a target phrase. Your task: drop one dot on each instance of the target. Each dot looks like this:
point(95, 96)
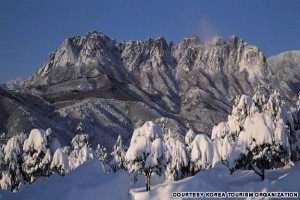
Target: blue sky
point(31, 29)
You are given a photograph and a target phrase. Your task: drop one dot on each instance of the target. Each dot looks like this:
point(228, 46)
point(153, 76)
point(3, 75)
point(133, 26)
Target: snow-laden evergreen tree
point(81, 151)
point(118, 155)
point(262, 145)
point(177, 156)
point(12, 166)
point(140, 149)
point(201, 153)
point(101, 153)
point(260, 98)
point(256, 135)
point(170, 133)
point(37, 155)
point(293, 130)
point(156, 160)
point(79, 129)
point(275, 107)
point(189, 136)
point(80, 141)
point(5, 181)
point(241, 109)
point(60, 162)
point(53, 142)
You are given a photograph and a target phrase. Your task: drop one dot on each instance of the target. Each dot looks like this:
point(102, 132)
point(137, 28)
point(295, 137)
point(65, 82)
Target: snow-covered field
point(86, 182)
point(220, 180)
point(90, 182)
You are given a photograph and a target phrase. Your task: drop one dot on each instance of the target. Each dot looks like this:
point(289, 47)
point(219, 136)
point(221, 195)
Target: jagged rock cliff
point(113, 86)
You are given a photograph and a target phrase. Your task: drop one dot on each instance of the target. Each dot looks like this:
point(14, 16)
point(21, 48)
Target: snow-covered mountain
point(285, 72)
point(14, 84)
point(113, 87)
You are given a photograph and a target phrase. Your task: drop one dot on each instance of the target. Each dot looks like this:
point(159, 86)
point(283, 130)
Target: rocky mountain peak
point(112, 86)
point(154, 71)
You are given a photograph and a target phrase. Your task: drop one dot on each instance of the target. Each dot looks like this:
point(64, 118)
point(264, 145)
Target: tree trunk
point(260, 172)
point(147, 179)
point(146, 182)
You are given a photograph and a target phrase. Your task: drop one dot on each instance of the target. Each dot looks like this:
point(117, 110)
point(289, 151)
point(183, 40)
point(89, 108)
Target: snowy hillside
point(220, 180)
point(89, 182)
point(261, 134)
point(285, 72)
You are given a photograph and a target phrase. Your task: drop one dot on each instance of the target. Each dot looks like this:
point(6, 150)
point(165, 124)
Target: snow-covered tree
point(222, 148)
point(79, 129)
point(260, 98)
point(293, 130)
point(37, 155)
point(81, 151)
point(156, 160)
point(275, 107)
point(177, 156)
point(220, 131)
point(262, 145)
point(140, 149)
point(80, 141)
point(101, 153)
point(189, 137)
point(201, 153)
point(52, 141)
point(118, 155)
point(60, 162)
point(12, 174)
point(170, 133)
point(241, 109)
point(256, 136)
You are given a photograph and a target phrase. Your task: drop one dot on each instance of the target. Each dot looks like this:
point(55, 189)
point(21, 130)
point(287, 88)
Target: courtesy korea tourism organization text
point(278, 195)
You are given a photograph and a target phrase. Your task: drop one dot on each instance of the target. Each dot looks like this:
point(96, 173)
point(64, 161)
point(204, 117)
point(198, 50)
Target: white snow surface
point(220, 180)
point(87, 182)
point(90, 182)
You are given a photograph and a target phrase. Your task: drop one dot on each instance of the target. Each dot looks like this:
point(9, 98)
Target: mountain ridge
point(186, 85)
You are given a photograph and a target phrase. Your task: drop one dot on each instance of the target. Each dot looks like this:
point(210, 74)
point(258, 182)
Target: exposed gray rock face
point(113, 86)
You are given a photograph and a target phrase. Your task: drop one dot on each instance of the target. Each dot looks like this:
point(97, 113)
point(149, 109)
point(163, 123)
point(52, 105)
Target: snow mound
point(87, 182)
point(220, 180)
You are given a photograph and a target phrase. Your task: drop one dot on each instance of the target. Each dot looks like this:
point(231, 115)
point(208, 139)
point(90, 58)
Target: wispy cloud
point(206, 29)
